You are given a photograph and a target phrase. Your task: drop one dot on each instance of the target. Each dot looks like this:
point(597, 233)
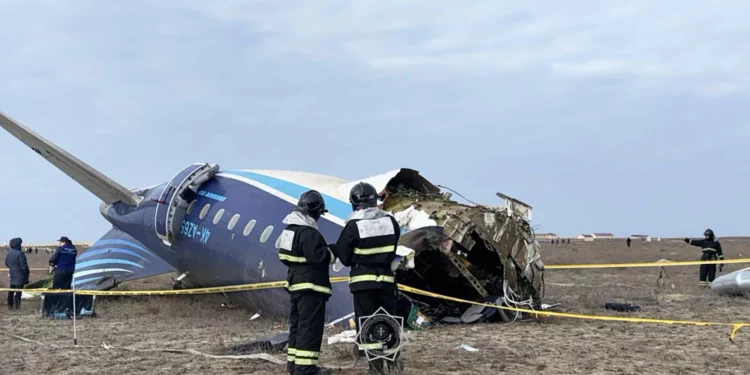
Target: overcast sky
point(606, 118)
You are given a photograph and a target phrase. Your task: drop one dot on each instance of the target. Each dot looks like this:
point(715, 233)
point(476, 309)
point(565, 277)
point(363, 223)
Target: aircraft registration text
point(190, 229)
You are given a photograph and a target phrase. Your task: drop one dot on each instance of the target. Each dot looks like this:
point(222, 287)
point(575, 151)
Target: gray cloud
point(567, 105)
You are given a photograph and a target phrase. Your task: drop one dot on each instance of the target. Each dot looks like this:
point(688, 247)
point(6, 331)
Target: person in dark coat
point(15, 260)
point(63, 263)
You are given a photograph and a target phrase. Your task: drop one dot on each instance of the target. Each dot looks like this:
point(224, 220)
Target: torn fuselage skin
point(476, 253)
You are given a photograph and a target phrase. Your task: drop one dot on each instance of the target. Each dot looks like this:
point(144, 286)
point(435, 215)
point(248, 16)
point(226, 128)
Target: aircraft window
point(233, 221)
point(218, 216)
point(249, 228)
point(191, 207)
point(204, 211)
point(266, 233)
point(278, 241)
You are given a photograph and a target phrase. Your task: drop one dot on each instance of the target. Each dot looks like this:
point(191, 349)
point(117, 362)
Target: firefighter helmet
point(311, 203)
point(363, 195)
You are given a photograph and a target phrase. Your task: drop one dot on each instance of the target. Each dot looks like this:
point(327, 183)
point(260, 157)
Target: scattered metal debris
point(736, 283)
point(275, 343)
point(178, 283)
point(467, 348)
point(341, 319)
point(623, 307)
point(349, 336)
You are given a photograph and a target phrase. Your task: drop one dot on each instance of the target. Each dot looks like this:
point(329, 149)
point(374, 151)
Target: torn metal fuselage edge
point(475, 252)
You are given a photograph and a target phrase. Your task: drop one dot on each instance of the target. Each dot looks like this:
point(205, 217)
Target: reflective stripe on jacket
point(367, 244)
point(304, 250)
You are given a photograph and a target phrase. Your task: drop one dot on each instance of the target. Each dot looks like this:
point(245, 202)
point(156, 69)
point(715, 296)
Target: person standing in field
point(63, 264)
point(711, 251)
point(18, 268)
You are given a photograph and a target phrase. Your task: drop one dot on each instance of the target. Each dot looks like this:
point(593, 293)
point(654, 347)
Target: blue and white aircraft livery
point(219, 227)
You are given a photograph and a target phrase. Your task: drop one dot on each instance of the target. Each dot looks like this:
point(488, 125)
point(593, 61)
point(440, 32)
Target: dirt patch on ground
point(553, 346)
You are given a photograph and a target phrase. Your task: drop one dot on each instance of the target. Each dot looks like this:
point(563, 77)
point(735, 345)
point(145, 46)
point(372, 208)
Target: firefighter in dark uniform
point(711, 251)
point(367, 244)
point(304, 250)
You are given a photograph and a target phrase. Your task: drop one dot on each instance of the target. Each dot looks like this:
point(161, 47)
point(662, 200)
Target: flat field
point(551, 345)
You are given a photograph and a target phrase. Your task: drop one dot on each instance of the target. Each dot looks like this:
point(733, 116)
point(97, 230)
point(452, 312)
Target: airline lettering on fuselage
point(213, 196)
point(190, 229)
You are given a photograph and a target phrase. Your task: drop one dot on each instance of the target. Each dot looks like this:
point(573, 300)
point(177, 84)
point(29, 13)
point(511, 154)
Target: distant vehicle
point(219, 227)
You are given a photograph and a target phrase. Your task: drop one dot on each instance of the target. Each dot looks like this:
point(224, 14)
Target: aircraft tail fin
point(94, 181)
point(115, 258)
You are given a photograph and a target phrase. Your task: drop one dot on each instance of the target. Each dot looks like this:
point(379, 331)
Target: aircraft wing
point(115, 258)
point(97, 183)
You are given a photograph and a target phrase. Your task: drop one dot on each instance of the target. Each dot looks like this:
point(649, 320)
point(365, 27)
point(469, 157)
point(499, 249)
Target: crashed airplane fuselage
point(479, 253)
point(220, 227)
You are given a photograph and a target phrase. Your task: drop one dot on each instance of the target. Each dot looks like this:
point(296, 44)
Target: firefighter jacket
point(711, 248)
point(304, 250)
point(368, 245)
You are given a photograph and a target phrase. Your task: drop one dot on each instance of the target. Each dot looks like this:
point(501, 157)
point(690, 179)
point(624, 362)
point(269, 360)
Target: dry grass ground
point(552, 346)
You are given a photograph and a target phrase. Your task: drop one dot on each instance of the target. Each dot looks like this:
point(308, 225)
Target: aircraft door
point(173, 202)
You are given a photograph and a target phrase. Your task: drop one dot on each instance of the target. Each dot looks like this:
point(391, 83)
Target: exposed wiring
point(459, 194)
point(533, 233)
point(509, 298)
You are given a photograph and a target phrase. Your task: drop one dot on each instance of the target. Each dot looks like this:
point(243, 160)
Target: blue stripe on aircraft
point(120, 242)
point(86, 280)
point(336, 207)
point(99, 270)
point(105, 261)
point(91, 253)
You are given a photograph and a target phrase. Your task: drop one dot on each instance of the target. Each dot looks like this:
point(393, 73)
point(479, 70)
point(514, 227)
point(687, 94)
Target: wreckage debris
point(473, 252)
point(272, 344)
point(348, 336)
point(736, 283)
point(623, 307)
point(479, 313)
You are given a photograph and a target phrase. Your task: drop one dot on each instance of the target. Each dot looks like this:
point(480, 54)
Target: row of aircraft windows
point(232, 222)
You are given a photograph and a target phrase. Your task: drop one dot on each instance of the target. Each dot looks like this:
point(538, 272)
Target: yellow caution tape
point(595, 265)
point(220, 289)
point(269, 285)
point(280, 284)
point(650, 264)
point(209, 290)
point(735, 326)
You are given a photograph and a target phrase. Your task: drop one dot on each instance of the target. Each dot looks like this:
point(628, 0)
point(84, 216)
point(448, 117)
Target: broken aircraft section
point(472, 252)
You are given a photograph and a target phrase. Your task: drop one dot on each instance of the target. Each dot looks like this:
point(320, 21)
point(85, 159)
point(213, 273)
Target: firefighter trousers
point(707, 271)
point(366, 302)
point(306, 321)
